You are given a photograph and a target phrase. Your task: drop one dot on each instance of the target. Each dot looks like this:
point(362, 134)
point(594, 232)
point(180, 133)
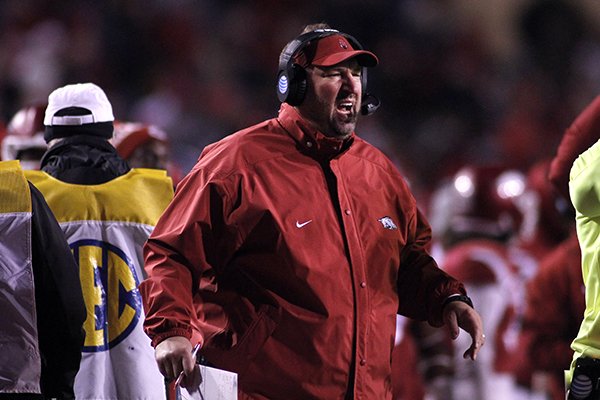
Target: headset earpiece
point(291, 85)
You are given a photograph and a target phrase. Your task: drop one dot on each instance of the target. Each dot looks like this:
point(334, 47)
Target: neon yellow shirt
point(584, 188)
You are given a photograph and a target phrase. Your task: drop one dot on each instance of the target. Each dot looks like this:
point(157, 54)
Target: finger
point(177, 368)
point(193, 379)
point(174, 367)
point(452, 324)
point(162, 369)
point(476, 345)
point(188, 363)
point(165, 365)
point(470, 353)
point(167, 370)
point(185, 369)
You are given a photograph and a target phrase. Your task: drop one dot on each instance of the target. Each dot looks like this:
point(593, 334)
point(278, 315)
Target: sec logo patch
point(109, 284)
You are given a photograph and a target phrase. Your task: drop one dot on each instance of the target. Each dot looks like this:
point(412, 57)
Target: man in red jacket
point(291, 246)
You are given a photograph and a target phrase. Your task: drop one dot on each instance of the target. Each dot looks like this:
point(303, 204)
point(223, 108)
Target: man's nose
point(351, 81)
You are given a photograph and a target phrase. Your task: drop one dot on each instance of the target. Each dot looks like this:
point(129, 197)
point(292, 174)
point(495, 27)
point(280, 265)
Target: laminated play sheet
point(215, 384)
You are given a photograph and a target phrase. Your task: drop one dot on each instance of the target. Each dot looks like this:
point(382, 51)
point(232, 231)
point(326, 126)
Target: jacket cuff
point(458, 297)
point(443, 295)
point(175, 332)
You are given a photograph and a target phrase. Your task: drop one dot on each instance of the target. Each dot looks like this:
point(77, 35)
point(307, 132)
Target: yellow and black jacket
point(41, 302)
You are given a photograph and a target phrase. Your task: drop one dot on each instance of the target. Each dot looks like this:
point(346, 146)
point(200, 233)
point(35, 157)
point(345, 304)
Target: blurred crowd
point(461, 85)
point(459, 82)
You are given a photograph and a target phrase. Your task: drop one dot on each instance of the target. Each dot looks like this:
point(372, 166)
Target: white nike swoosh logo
point(300, 225)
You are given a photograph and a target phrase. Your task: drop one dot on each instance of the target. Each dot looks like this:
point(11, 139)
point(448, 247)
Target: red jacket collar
point(308, 138)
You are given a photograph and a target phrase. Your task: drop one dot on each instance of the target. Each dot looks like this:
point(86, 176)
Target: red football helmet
point(543, 207)
point(484, 202)
point(24, 138)
point(144, 146)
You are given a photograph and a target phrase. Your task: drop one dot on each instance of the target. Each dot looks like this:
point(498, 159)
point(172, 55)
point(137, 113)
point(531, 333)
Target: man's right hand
point(174, 355)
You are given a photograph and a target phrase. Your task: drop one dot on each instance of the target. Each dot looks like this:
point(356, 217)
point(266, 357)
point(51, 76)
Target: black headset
point(291, 77)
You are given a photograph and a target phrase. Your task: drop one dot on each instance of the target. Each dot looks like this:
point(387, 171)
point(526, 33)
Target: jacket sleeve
point(188, 245)
point(422, 285)
point(59, 301)
point(582, 133)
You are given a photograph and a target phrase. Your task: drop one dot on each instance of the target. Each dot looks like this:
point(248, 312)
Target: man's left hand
point(458, 314)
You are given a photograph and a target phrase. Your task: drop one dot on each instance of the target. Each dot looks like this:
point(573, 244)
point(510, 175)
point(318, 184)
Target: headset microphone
point(369, 105)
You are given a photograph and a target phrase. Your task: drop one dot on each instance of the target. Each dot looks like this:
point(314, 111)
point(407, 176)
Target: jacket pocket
point(237, 357)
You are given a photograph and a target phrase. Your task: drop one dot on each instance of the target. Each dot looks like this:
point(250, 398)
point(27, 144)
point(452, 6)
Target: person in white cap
point(79, 123)
point(291, 246)
point(106, 210)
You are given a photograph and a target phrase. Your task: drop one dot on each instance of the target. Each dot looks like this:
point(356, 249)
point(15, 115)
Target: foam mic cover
point(369, 105)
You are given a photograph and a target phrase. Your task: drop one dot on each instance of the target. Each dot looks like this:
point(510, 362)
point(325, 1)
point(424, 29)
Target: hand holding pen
point(182, 373)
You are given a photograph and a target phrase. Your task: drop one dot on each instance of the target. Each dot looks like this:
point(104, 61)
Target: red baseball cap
point(332, 50)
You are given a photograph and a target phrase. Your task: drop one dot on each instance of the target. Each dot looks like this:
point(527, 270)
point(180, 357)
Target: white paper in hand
point(215, 384)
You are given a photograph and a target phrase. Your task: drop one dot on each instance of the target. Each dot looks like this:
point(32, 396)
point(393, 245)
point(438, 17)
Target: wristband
point(463, 298)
